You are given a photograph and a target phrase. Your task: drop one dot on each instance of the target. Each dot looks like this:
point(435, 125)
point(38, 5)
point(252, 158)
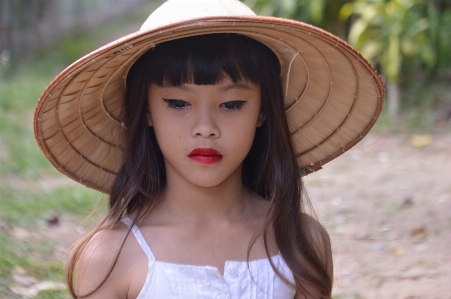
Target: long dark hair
point(269, 170)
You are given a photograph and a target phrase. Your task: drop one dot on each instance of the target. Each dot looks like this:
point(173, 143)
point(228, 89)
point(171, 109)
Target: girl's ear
point(149, 118)
point(261, 118)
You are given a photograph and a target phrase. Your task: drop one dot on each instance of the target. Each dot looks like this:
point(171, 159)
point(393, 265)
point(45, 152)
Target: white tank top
point(241, 279)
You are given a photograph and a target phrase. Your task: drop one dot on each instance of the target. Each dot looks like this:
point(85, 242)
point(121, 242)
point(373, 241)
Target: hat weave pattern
point(333, 96)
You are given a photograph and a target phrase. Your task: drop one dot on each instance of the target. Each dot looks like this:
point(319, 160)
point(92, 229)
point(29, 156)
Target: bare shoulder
point(100, 264)
point(320, 240)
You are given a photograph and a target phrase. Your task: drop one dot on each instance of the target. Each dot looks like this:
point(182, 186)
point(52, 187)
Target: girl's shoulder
point(102, 269)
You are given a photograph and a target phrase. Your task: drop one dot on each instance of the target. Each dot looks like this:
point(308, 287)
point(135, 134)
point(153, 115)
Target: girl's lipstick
point(205, 155)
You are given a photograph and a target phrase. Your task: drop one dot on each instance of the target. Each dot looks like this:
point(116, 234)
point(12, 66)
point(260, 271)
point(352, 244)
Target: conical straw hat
point(333, 96)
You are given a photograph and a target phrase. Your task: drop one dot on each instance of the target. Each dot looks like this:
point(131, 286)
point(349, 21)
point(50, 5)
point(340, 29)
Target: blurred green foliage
point(321, 13)
point(356, 20)
point(386, 32)
point(409, 41)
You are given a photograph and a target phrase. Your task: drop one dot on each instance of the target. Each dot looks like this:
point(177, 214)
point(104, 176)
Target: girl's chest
point(214, 249)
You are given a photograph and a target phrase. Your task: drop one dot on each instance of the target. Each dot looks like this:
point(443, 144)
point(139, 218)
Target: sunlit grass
point(27, 207)
point(54, 294)
point(35, 256)
point(19, 94)
point(30, 209)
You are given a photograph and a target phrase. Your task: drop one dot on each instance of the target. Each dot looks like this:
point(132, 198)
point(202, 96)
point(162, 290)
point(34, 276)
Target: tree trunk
point(5, 34)
point(393, 100)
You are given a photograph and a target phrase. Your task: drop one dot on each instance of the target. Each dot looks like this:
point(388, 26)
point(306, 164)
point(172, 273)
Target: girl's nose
point(205, 125)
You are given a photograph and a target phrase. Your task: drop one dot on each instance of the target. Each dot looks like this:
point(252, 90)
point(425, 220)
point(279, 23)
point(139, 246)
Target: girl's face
point(205, 131)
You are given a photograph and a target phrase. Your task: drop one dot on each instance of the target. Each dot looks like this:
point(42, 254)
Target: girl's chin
point(207, 182)
point(203, 175)
point(209, 179)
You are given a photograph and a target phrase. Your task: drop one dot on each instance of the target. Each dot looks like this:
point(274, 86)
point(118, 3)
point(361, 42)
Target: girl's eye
point(233, 105)
point(176, 104)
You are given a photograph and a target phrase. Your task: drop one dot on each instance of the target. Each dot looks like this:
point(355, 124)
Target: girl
point(192, 128)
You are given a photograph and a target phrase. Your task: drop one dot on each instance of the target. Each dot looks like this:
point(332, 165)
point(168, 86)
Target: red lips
point(205, 155)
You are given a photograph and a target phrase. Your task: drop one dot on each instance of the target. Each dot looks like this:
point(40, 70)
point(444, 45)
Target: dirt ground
point(386, 204)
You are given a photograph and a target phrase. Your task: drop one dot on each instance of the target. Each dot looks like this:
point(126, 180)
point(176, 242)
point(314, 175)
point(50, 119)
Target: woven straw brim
point(332, 95)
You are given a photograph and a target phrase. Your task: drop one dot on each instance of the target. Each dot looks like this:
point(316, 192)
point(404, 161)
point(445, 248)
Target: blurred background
point(386, 202)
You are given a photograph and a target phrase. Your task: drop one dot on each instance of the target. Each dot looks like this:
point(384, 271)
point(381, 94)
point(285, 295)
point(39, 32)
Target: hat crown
point(174, 11)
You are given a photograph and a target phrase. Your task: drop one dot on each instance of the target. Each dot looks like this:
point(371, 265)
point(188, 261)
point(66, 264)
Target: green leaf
point(357, 31)
point(346, 11)
point(394, 59)
point(417, 27)
point(288, 7)
point(316, 10)
point(428, 56)
point(371, 49)
point(409, 48)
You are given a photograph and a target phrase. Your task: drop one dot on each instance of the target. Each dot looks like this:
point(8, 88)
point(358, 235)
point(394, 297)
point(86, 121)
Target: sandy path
point(387, 207)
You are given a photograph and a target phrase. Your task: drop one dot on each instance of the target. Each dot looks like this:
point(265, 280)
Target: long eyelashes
point(233, 105)
point(227, 106)
point(176, 104)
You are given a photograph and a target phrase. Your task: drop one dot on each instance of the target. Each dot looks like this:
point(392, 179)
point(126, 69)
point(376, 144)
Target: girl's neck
point(188, 202)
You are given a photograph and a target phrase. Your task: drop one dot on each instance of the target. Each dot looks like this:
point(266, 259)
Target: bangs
point(207, 59)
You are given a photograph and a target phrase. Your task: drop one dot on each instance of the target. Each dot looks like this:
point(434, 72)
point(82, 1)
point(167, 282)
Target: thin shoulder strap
point(140, 238)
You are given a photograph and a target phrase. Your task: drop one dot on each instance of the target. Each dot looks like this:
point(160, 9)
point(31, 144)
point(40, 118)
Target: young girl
point(199, 127)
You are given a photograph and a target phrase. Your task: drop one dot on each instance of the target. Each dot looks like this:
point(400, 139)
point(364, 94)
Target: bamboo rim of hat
point(333, 96)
